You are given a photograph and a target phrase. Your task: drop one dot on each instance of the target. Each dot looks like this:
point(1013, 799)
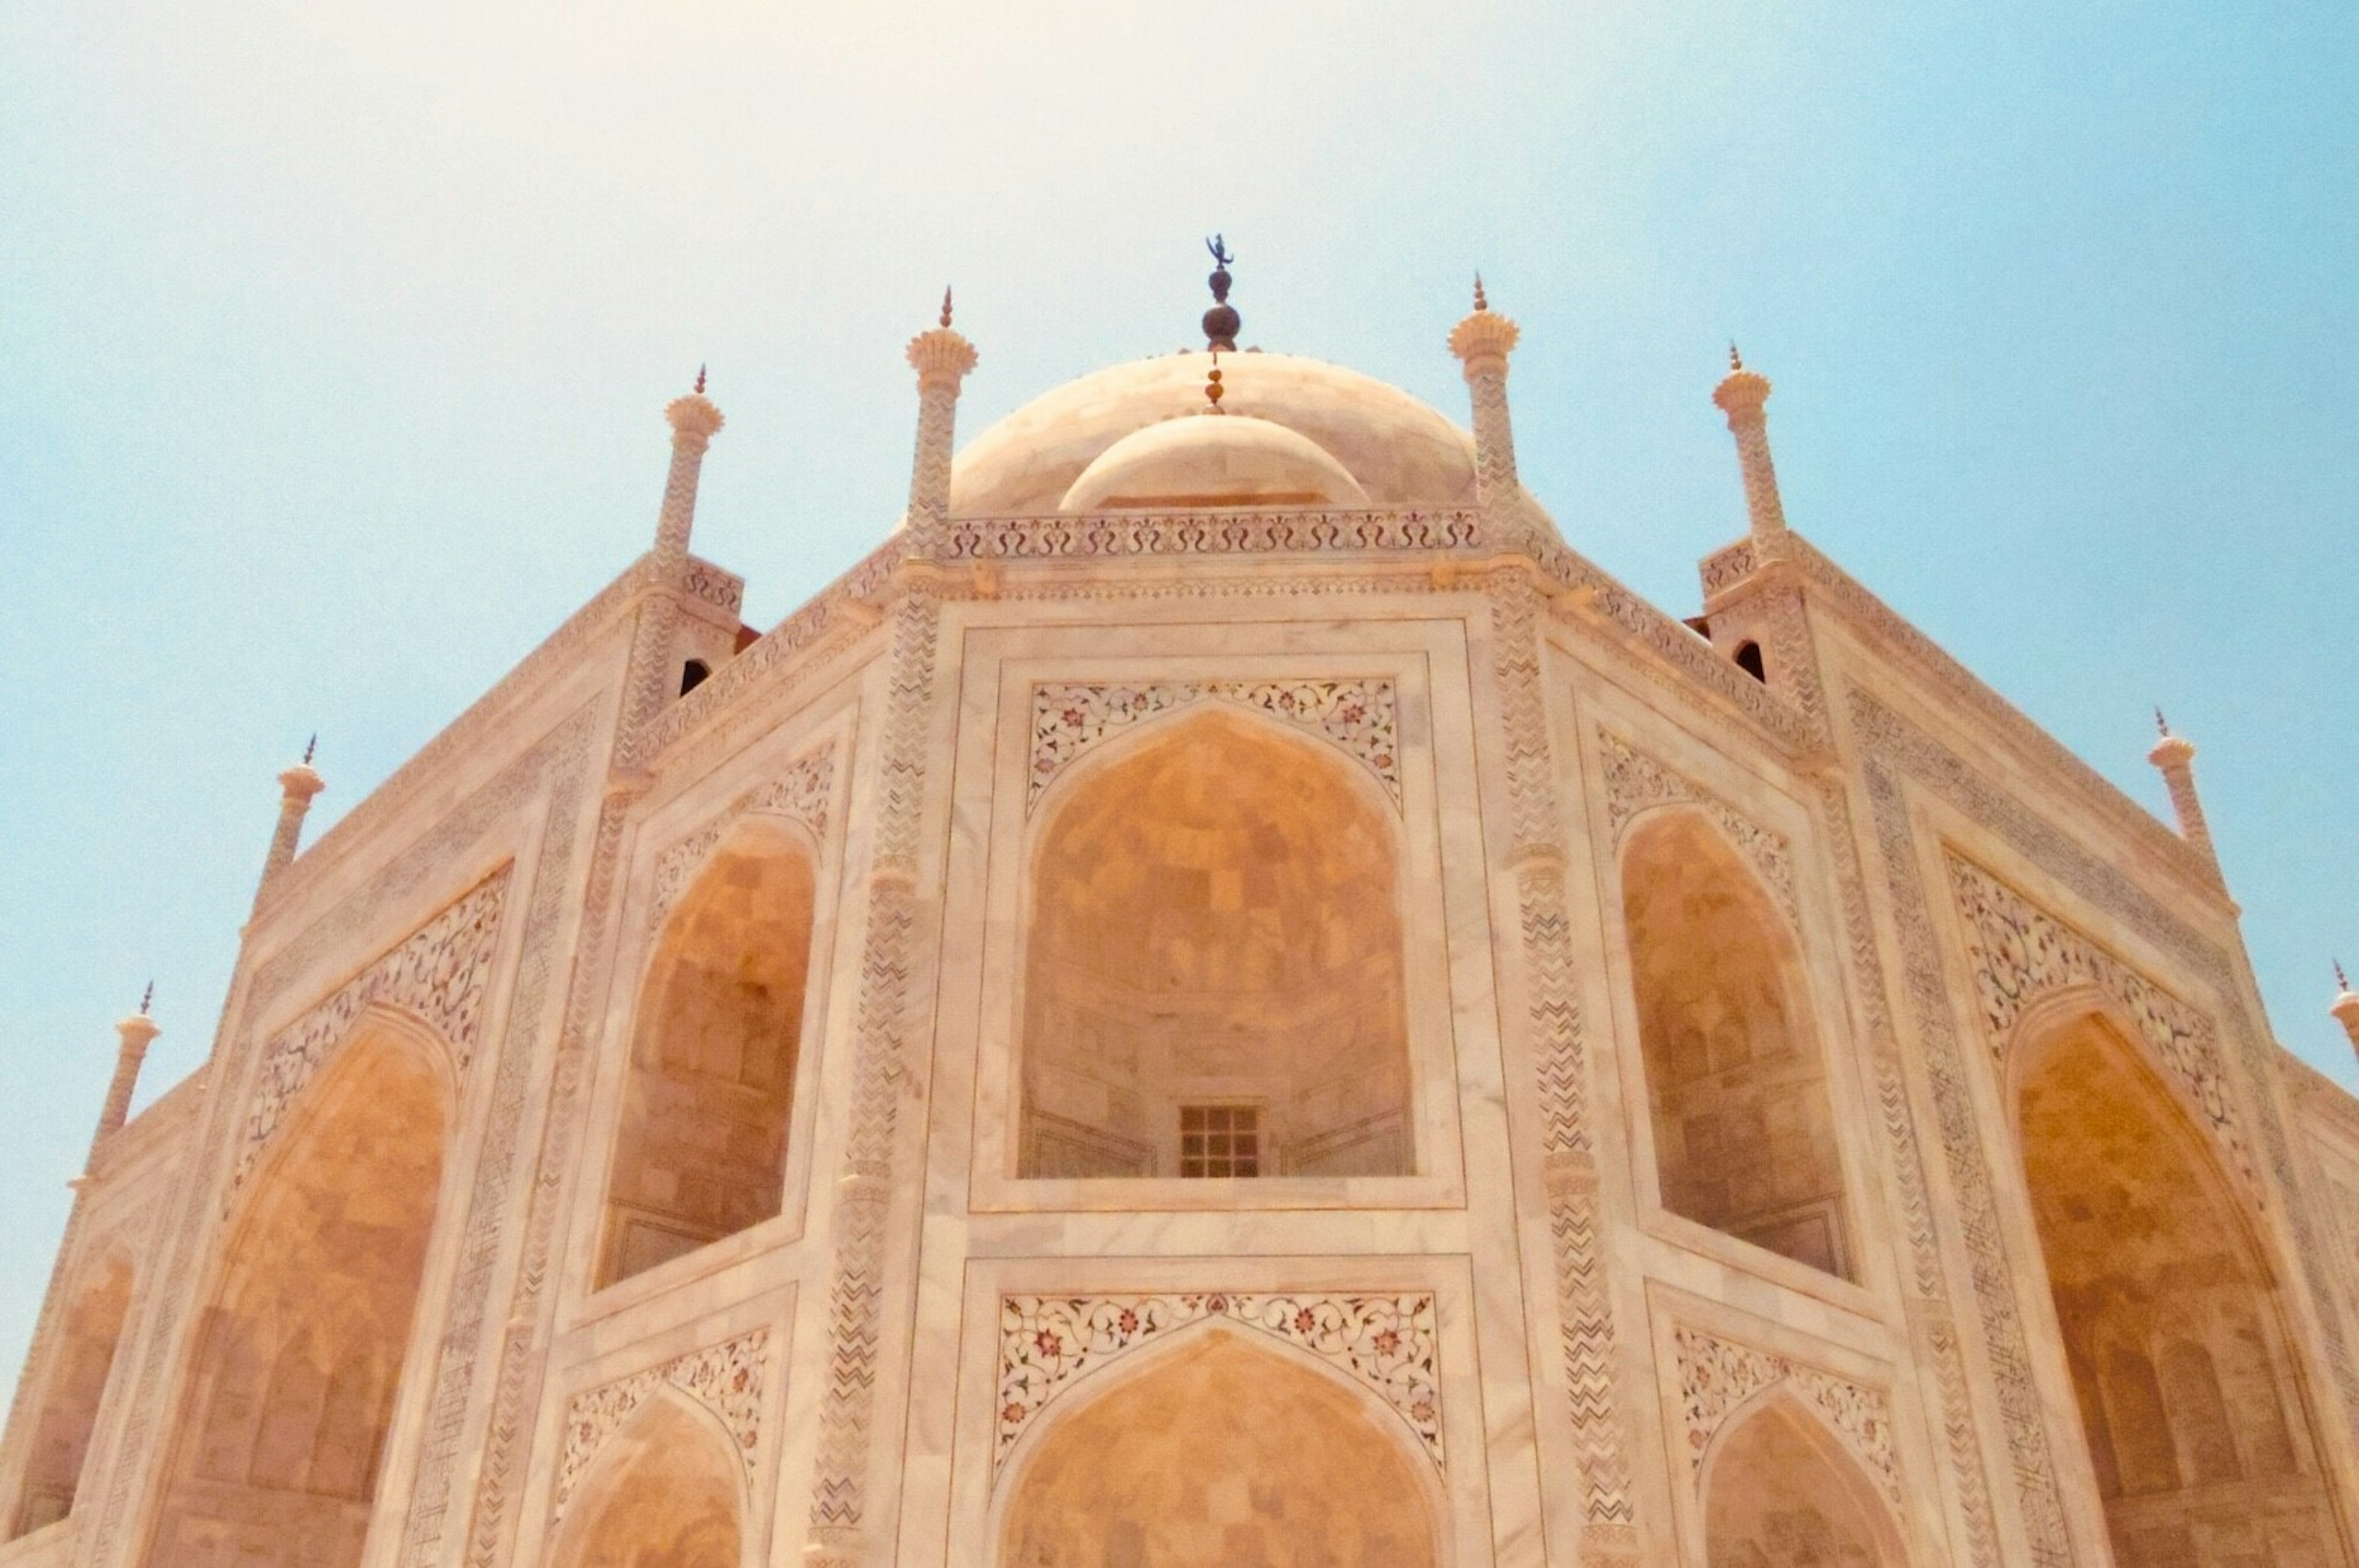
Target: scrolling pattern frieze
point(440, 974)
point(1717, 1376)
point(2021, 953)
point(1359, 715)
point(724, 1378)
point(1384, 1343)
point(1636, 782)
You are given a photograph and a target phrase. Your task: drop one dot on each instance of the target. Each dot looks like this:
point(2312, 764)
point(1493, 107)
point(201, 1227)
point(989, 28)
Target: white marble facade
point(1682, 1063)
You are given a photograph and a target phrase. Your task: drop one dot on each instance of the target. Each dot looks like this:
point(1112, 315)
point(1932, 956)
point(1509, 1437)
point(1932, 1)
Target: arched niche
point(666, 1491)
point(299, 1349)
point(700, 1153)
point(1781, 1491)
point(89, 1335)
point(2190, 1395)
point(1743, 1130)
point(1215, 1449)
point(1213, 978)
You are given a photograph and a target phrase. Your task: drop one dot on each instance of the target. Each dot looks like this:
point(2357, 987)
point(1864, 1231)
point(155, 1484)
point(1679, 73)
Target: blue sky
point(335, 339)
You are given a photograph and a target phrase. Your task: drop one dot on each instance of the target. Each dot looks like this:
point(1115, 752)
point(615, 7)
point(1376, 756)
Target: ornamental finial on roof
point(147, 997)
point(1736, 360)
point(2341, 981)
point(946, 305)
point(700, 381)
point(1222, 321)
point(2161, 725)
point(1480, 302)
point(310, 746)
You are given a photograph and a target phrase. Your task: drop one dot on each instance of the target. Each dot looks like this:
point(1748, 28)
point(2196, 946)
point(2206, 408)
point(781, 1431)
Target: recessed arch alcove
point(88, 1338)
point(1216, 1449)
point(701, 1150)
point(2190, 1392)
point(1781, 1491)
point(299, 1352)
point(664, 1491)
point(1736, 1077)
point(1213, 971)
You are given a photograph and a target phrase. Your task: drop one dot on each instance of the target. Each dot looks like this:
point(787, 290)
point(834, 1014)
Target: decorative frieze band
point(2021, 953)
point(724, 1378)
point(1717, 1375)
point(1636, 782)
point(440, 973)
point(1359, 715)
point(1384, 1343)
point(801, 794)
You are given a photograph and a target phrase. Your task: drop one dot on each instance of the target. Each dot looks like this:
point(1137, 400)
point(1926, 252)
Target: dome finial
point(1736, 360)
point(1222, 321)
point(946, 305)
point(1212, 388)
point(1480, 302)
point(700, 381)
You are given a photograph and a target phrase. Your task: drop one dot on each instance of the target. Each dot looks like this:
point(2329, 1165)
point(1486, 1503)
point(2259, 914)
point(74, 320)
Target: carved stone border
point(440, 973)
point(1386, 1344)
point(1357, 714)
point(801, 792)
point(1717, 1375)
point(725, 1379)
point(1635, 782)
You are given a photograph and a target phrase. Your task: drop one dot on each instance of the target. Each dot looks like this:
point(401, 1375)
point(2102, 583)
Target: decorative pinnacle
point(1222, 322)
point(310, 746)
point(1212, 388)
point(946, 305)
point(1736, 360)
point(1480, 302)
point(147, 997)
point(700, 381)
point(2341, 982)
point(2161, 725)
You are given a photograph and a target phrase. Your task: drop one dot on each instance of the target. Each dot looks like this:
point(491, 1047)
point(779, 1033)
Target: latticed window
point(1219, 1140)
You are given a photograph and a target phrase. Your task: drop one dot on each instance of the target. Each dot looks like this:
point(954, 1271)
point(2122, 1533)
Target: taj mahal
point(1225, 997)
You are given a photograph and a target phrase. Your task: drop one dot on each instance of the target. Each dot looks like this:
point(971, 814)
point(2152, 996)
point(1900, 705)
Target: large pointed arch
point(1736, 1076)
point(1217, 1448)
point(666, 1491)
point(1780, 1490)
point(88, 1336)
point(1214, 968)
point(301, 1349)
point(708, 1101)
point(2188, 1387)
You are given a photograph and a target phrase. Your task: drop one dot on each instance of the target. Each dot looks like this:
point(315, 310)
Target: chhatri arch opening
point(1215, 969)
point(92, 1332)
point(2190, 1393)
point(300, 1353)
point(1216, 1449)
point(700, 1153)
point(666, 1491)
point(1781, 1491)
point(1736, 1077)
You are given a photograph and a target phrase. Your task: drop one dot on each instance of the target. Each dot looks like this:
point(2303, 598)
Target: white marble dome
point(1392, 449)
point(1212, 461)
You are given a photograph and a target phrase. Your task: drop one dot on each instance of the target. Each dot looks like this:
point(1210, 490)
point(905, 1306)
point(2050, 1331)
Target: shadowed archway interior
point(1213, 978)
point(93, 1326)
point(1745, 1136)
point(663, 1495)
point(2187, 1389)
point(701, 1150)
point(299, 1356)
point(1221, 1451)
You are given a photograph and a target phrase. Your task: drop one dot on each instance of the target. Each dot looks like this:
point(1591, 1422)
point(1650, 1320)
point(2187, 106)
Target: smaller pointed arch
point(1780, 1490)
point(1215, 1448)
point(84, 1358)
point(666, 1491)
point(1744, 1129)
point(701, 1150)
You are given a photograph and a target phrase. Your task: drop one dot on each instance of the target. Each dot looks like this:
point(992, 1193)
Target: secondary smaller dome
point(1213, 460)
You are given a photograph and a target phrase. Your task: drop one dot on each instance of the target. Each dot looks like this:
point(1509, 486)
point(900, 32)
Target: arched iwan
point(1214, 1449)
point(299, 1351)
point(1781, 1491)
point(1736, 1074)
point(667, 1492)
point(2189, 1394)
point(701, 1149)
point(1213, 980)
point(77, 1383)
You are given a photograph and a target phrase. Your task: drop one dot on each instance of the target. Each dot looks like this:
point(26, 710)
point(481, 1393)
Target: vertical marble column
point(942, 359)
point(650, 682)
point(2174, 757)
point(1743, 395)
point(297, 786)
point(1483, 342)
point(134, 1035)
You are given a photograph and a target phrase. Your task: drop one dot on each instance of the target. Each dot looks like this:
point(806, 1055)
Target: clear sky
point(334, 339)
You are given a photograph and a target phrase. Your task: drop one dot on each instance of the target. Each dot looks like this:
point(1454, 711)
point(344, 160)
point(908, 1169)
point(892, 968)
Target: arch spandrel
point(1780, 1490)
point(1214, 929)
point(1213, 1448)
point(665, 1490)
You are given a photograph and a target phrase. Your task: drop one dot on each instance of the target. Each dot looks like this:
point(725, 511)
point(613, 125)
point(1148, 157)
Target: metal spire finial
point(1736, 360)
point(700, 381)
point(2341, 981)
point(1222, 321)
point(1480, 302)
point(310, 746)
point(149, 996)
point(946, 305)
point(2161, 725)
